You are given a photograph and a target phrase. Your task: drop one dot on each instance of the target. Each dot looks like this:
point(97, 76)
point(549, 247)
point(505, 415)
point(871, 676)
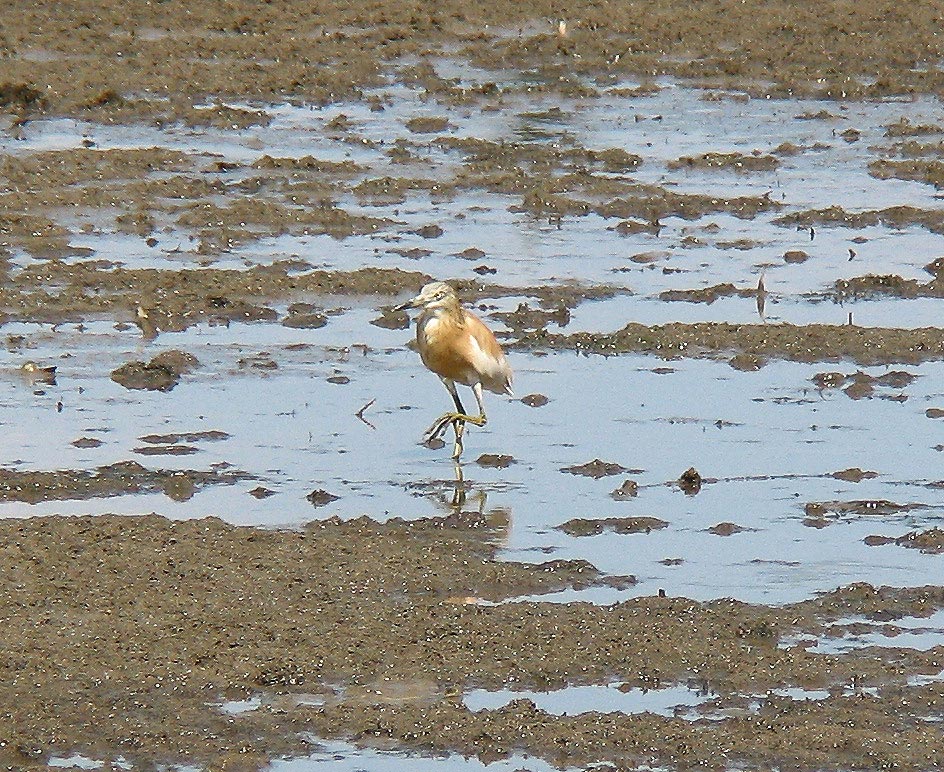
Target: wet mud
point(930, 541)
point(596, 469)
point(584, 527)
point(162, 373)
point(112, 480)
point(807, 343)
point(165, 621)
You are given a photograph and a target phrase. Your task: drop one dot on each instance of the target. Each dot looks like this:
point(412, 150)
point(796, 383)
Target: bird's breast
point(462, 350)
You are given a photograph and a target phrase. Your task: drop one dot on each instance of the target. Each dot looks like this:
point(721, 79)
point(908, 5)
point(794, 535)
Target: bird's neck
point(452, 313)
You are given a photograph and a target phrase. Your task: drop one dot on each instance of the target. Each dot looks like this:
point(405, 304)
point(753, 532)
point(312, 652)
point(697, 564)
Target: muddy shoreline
point(168, 620)
point(189, 53)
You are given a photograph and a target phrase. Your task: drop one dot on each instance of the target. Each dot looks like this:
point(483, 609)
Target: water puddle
point(702, 249)
point(765, 443)
point(847, 635)
point(348, 758)
point(606, 698)
point(75, 761)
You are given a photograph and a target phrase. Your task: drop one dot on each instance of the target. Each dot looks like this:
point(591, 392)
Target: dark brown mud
point(162, 373)
point(123, 635)
point(175, 300)
point(807, 343)
point(858, 507)
point(112, 480)
point(891, 217)
point(735, 161)
point(861, 385)
point(595, 469)
point(708, 294)
point(187, 54)
point(583, 527)
point(930, 541)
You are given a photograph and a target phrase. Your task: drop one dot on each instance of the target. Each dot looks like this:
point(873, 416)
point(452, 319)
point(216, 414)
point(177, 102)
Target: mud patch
point(321, 498)
point(891, 217)
point(628, 490)
point(807, 343)
point(162, 373)
point(212, 435)
point(87, 442)
point(101, 574)
point(167, 450)
point(859, 385)
point(105, 481)
point(735, 161)
point(727, 529)
point(930, 541)
point(928, 172)
point(621, 525)
point(707, 295)
point(854, 474)
point(877, 507)
point(495, 460)
point(595, 469)
point(873, 286)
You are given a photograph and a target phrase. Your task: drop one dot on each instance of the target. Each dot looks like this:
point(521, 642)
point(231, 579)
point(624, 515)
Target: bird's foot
point(451, 419)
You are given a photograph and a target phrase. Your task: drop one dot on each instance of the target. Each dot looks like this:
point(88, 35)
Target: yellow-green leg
point(457, 419)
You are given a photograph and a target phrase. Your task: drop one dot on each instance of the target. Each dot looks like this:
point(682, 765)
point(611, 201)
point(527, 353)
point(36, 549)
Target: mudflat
point(206, 210)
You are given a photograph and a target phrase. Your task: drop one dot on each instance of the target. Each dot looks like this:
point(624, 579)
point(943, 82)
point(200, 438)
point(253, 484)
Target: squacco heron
point(456, 345)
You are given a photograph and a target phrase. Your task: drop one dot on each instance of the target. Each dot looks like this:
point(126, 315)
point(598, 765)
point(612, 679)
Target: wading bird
point(456, 345)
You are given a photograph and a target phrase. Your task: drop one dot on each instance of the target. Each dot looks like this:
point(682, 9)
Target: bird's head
point(434, 295)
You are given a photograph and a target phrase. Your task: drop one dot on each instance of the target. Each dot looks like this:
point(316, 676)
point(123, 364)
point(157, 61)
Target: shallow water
point(920, 633)
point(770, 439)
point(608, 698)
point(347, 758)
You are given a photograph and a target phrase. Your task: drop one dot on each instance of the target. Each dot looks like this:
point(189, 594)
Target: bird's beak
point(411, 303)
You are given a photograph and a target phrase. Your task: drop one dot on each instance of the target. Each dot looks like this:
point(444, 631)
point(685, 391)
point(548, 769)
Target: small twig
point(360, 414)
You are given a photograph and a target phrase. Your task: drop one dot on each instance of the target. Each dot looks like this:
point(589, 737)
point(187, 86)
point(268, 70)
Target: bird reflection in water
point(468, 502)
